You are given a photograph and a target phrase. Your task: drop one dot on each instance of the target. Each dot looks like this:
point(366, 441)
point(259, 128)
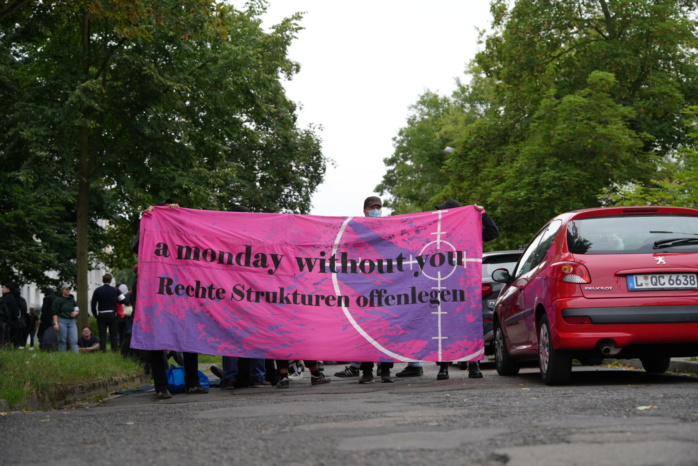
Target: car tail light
point(570, 272)
point(486, 290)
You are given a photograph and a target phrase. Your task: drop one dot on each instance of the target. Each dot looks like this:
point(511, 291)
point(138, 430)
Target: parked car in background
point(490, 290)
point(492, 261)
point(617, 282)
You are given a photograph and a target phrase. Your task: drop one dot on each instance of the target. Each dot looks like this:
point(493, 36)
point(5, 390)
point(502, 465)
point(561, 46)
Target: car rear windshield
point(638, 234)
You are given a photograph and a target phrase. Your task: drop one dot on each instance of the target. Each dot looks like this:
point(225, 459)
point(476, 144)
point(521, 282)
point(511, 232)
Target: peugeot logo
point(660, 260)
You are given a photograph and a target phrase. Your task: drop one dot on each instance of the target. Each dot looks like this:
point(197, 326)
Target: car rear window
point(638, 234)
point(500, 261)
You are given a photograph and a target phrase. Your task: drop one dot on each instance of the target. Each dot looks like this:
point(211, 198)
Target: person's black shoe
point(410, 371)
point(319, 380)
point(474, 370)
point(283, 383)
point(385, 376)
point(164, 394)
point(443, 373)
point(367, 377)
point(215, 370)
point(348, 372)
point(196, 390)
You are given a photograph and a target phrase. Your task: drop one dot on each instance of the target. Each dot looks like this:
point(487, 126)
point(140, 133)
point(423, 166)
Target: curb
point(64, 395)
point(676, 365)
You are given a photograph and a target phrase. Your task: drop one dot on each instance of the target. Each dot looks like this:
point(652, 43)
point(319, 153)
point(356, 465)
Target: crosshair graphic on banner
point(438, 259)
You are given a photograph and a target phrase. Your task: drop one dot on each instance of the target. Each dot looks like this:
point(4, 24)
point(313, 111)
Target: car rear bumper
point(658, 324)
point(636, 314)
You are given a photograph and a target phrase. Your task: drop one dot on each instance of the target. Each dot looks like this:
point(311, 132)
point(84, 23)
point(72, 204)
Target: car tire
point(462, 365)
point(655, 365)
point(503, 362)
point(555, 365)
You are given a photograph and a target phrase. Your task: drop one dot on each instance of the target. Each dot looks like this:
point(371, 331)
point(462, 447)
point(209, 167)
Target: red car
point(618, 282)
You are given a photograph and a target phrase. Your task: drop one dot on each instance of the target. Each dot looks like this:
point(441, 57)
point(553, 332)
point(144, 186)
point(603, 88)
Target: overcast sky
point(363, 63)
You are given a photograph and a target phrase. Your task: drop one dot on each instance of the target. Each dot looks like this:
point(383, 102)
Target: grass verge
point(47, 376)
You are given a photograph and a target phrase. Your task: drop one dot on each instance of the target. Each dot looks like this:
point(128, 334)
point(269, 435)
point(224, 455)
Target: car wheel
point(504, 363)
point(555, 366)
point(656, 365)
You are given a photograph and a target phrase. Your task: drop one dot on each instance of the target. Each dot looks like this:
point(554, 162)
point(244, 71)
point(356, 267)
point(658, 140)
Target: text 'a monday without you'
point(336, 263)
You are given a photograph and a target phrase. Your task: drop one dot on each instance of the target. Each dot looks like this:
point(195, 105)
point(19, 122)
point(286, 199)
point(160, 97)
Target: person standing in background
point(46, 317)
point(104, 302)
point(65, 311)
point(32, 326)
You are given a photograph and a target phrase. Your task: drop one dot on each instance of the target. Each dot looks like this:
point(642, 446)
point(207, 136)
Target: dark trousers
point(158, 366)
point(368, 366)
point(109, 321)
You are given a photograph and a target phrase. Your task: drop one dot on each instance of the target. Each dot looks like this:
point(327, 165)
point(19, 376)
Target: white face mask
point(375, 213)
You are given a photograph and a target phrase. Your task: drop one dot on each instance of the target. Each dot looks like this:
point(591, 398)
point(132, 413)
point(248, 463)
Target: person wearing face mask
point(373, 207)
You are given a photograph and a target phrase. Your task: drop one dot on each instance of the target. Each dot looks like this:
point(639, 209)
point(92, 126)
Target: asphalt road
point(604, 417)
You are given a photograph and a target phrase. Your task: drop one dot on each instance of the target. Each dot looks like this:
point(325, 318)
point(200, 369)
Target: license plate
point(663, 281)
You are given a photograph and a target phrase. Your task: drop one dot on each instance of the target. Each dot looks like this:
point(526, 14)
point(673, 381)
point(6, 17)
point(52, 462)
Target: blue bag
point(175, 379)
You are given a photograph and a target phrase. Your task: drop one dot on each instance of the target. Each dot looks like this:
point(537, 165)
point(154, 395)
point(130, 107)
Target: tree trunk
point(83, 201)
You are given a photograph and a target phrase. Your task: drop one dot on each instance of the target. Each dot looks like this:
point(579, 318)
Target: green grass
point(38, 375)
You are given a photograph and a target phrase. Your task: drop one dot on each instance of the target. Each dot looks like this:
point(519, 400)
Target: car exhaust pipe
point(608, 348)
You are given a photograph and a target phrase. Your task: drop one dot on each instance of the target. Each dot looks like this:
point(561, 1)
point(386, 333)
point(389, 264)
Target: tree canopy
point(584, 99)
point(109, 107)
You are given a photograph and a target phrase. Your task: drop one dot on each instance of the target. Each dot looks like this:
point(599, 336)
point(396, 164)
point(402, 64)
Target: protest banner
point(283, 286)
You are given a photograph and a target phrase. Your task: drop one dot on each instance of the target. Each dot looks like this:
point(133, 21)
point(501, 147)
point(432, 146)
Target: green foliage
point(413, 176)
point(676, 184)
point(109, 107)
point(572, 104)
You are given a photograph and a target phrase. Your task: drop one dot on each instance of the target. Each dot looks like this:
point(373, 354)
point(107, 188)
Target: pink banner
point(281, 286)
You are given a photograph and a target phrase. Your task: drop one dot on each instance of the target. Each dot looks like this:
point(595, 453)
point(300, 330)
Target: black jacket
point(47, 306)
point(489, 229)
point(13, 310)
point(105, 298)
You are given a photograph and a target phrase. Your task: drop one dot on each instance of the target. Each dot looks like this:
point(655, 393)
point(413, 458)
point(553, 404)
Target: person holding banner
point(373, 207)
point(158, 358)
point(257, 366)
point(489, 232)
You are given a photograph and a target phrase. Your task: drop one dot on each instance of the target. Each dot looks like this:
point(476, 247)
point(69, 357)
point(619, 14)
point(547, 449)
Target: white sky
point(363, 63)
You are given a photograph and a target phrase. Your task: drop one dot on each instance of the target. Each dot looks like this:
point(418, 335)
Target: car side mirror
point(501, 276)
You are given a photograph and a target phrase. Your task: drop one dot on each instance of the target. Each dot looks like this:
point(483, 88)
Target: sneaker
point(164, 394)
point(385, 376)
point(215, 370)
point(259, 383)
point(196, 390)
point(443, 374)
point(474, 370)
point(366, 378)
point(348, 372)
point(283, 383)
point(228, 384)
point(296, 371)
point(319, 380)
point(410, 371)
